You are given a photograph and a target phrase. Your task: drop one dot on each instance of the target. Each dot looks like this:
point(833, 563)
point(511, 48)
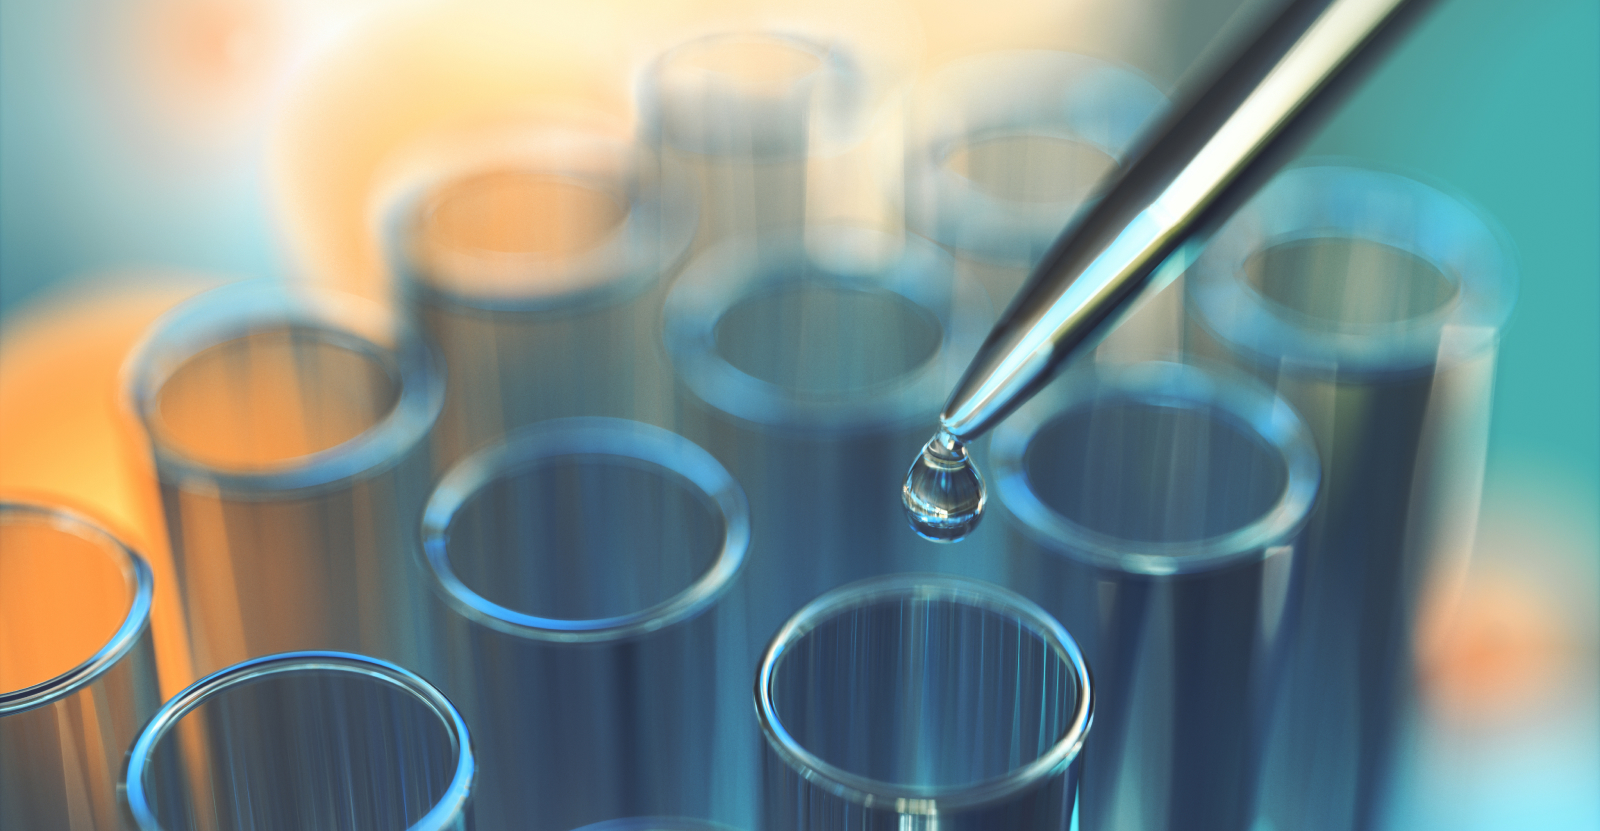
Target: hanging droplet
point(943, 494)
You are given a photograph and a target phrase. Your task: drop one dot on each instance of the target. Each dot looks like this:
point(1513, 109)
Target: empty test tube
point(1155, 508)
point(77, 667)
point(289, 428)
point(919, 701)
point(1374, 304)
point(536, 265)
point(807, 363)
point(323, 740)
point(587, 566)
point(738, 112)
point(1004, 147)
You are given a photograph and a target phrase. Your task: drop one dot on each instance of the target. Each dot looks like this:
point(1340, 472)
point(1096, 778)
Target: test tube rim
point(996, 239)
point(835, 64)
point(235, 310)
point(652, 239)
point(1467, 247)
point(873, 793)
point(447, 809)
point(141, 583)
point(738, 269)
point(587, 436)
point(1248, 406)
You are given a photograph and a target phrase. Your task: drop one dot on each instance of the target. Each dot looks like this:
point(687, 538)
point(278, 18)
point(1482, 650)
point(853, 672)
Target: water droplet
point(943, 494)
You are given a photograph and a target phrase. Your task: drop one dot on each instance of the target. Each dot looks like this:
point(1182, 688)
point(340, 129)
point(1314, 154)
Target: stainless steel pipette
point(1203, 163)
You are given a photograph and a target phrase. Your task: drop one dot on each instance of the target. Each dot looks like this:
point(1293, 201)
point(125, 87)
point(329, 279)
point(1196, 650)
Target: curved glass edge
point(1249, 404)
point(592, 436)
point(874, 793)
point(134, 625)
point(444, 815)
point(1057, 94)
point(656, 232)
point(734, 270)
point(1320, 199)
point(839, 85)
point(231, 311)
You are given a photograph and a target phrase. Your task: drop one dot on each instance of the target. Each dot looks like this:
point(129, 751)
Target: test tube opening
point(272, 397)
point(585, 529)
point(1146, 471)
point(825, 340)
point(924, 687)
point(268, 387)
point(1158, 467)
point(73, 600)
point(1349, 283)
point(1030, 167)
point(303, 740)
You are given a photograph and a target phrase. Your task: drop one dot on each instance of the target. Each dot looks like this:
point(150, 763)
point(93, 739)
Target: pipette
point(1215, 150)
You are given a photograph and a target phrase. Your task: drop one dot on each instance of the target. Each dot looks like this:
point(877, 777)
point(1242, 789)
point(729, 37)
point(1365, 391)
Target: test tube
point(77, 668)
point(740, 113)
point(919, 701)
point(536, 268)
point(1374, 304)
point(1004, 147)
point(304, 740)
point(810, 365)
point(587, 564)
point(288, 427)
point(1155, 509)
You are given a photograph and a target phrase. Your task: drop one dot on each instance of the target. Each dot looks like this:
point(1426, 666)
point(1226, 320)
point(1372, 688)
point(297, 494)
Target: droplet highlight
point(943, 494)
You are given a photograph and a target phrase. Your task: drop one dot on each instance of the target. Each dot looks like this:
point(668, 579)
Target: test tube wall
point(920, 701)
point(304, 740)
point(588, 565)
point(1373, 303)
point(535, 261)
point(1155, 508)
point(812, 367)
point(289, 430)
point(77, 667)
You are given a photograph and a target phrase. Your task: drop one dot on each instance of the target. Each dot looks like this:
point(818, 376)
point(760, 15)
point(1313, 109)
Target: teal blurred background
point(1498, 102)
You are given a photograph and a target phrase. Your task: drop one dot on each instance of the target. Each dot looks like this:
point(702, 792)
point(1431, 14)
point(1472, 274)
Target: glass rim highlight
point(913, 799)
point(1074, 110)
point(589, 436)
point(450, 805)
point(141, 584)
point(1248, 405)
point(653, 236)
point(740, 269)
point(1328, 200)
point(236, 310)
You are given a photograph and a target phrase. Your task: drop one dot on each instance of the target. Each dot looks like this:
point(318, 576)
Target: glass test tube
point(587, 565)
point(919, 701)
point(323, 740)
point(1374, 304)
point(813, 366)
point(739, 112)
point(1006, 146)
point(77, 667)
point(537, 271)
point(289, 428)
point(1155, 509)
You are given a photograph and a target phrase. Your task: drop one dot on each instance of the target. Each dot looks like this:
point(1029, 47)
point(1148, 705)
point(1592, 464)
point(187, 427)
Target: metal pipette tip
point(1208, 158)
point(943, 493)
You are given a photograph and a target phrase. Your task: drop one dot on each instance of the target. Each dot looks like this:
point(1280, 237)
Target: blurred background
point(149, 148)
